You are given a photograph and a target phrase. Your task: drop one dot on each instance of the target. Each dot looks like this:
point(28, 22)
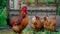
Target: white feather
point(34, 19)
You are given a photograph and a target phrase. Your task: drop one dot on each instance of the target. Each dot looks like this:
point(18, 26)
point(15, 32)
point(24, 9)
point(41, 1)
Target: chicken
point(50, 23)
point(36, 23)
point(18, 24)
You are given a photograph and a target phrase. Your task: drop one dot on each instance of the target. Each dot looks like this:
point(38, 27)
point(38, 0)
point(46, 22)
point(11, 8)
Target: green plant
point(2, 4)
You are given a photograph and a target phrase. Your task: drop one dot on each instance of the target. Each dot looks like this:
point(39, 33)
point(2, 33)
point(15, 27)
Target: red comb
point(37, 17)
point(24, 9)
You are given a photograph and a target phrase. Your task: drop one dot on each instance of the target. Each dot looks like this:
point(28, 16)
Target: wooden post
point(13, 3)
point(36, 2)
point(56, 4)
point(19, 4)
point(7, 6)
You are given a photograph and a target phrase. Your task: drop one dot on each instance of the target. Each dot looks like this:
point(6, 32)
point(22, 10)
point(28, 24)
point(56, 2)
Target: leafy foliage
point(2, 4)
point(58, 10)
point(3, 16)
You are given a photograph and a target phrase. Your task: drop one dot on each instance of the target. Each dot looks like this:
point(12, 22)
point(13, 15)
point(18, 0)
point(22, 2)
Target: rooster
point(36, 23)
point(18, 24)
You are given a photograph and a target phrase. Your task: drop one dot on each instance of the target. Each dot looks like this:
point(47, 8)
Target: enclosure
point(39, 7)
